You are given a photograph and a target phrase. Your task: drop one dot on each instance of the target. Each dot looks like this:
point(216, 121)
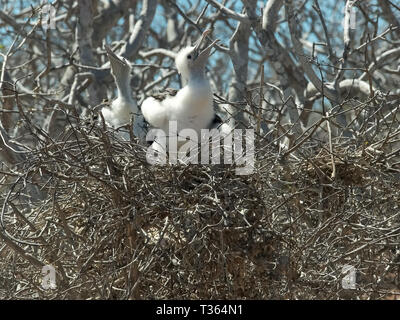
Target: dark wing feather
point(162, 95)
point(216, 122)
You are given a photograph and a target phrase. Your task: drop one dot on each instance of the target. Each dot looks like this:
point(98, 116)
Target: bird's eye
point(189, 56)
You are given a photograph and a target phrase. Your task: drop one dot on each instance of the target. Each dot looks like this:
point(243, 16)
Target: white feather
point(119, 113)
point(121, 110)
point(192, 107)
point(181, 62)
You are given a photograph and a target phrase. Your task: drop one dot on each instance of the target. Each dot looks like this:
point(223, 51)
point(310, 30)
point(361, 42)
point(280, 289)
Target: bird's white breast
point(119, 113)
point(192, 108)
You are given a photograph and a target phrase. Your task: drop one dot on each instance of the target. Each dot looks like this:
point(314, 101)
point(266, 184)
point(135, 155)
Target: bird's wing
point(223, 127)
point(153, 109)
point(216, 121)
point(161, 95)
point(120, 67)
point(154, 112)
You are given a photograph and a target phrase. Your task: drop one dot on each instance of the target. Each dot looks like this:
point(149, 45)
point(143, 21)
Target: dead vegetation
point(115, 227)
point(318, 81)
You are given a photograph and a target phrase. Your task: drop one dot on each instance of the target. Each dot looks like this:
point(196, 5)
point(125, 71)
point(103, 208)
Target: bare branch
point(230, 13)
point(306, 65)
point(107, 18)
point(271, 14)
point(84, 37)
point(140, 29)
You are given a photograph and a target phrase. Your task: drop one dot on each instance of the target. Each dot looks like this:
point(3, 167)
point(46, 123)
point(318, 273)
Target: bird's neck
point(123, 87)
point(124, 94)
point(198, 79)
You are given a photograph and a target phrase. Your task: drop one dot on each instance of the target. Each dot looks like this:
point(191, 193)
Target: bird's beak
point(200, 41)
point(120, 69)
point(115, 61)
point(206, 52)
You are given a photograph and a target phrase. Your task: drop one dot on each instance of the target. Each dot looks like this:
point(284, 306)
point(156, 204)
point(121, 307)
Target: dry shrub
point(115, 227)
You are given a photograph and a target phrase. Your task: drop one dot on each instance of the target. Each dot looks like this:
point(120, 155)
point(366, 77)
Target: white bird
point(192, 106)
point(121, 109)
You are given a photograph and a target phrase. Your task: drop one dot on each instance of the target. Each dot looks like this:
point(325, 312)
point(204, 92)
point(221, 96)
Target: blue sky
point(332, 10)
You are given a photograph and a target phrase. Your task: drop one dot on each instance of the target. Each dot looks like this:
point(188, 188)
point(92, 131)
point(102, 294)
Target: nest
point(115, 227)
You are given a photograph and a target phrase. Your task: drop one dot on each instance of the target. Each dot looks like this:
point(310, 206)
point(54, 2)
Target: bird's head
point(121, 71)
point(191, 60)
point(120, 67)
